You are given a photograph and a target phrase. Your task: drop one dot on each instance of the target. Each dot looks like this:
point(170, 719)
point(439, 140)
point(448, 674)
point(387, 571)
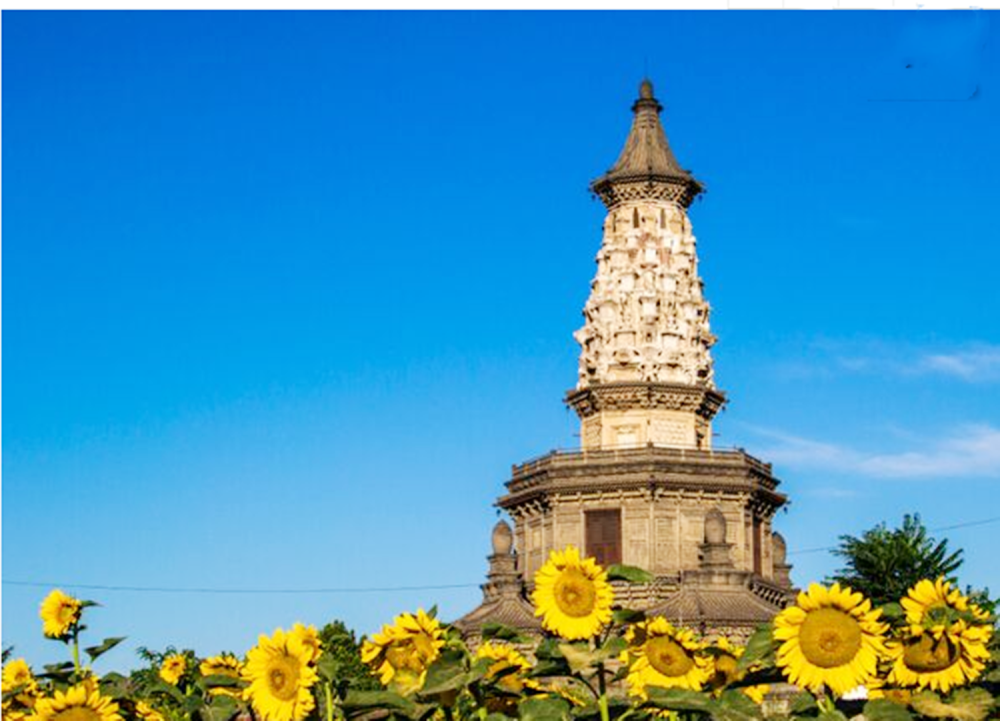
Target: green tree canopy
point(884, 563)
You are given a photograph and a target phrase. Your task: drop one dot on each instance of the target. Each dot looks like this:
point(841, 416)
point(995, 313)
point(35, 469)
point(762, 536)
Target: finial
point(503, 539)
point(646, 89)
point(715, 526)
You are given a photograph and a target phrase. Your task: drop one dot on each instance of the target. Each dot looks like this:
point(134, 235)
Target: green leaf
point(500, 632)
point(447, 673)
point(578, 656)
point(88, 604)
point(626, 615)
point(892, 611)
point(549, 667)
point(736, 706)
point(632, 574)
point(191, 704)
point(680, 699)
point(543, 708)
point(549, 649)
point(219, 680)
point(57, 670)
point(760, 645)
point(329, 667)
point(803, 704)
point(369, 700)
point(964, 705)
point(613, 647)
point(114, 684)
point(832, 715)
point(881, 709)
point(106, 645)
point(222, 708)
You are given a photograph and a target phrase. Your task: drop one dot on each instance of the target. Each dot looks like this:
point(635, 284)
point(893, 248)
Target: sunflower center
point(668, 657)
point(283, 678)
point(77, 713)
point(925, 654)
point(829, 637)
point(67, 612)
point(575, 594)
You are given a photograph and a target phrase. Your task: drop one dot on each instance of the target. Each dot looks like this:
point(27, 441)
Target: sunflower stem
point(76, 651)
point(329, 701)
point(602, 700)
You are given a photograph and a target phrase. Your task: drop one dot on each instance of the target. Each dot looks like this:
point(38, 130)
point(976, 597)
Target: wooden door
point(604, 536)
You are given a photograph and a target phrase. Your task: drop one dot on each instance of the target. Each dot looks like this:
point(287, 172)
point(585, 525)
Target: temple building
point(646, 488)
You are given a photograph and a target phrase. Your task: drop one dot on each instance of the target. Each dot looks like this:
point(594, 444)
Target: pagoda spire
point(646, 168)
point(645, 373)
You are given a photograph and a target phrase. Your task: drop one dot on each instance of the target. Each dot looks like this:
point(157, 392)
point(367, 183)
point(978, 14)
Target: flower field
point(830, 656)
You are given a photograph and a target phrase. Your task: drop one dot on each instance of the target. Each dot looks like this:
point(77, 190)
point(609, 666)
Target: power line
point(982, 522)
point(165, 589)
point(370, 589)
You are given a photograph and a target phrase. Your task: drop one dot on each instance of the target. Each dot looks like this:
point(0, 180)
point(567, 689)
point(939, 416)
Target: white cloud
point(972, 363)
point(979, 364)
point(973, 451)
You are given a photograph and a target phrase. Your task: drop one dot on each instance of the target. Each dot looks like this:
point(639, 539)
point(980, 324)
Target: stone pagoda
point(646, 487)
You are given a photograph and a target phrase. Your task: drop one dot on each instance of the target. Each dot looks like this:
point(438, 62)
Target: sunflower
point(661, 655)
point(832, 637)
point(17, 675)
point(146, 712)
point(572, 596)
point(725, 657)
point(941, 658)
point(173, 667)
point(401, 653)
point(280, 677)
point(82, 702)
point(928, 602)
point(510, 666)
point(222, 665)
point(60, 614)
point(310, 639)
point(946, 641)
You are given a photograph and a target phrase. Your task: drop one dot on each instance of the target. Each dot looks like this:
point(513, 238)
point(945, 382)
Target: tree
point(342, 648)
point(884, 563)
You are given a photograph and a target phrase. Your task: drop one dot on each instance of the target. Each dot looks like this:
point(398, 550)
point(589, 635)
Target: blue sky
point(285, 294)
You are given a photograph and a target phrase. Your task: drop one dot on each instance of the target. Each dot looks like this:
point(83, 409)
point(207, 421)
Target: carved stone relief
point(646, 318)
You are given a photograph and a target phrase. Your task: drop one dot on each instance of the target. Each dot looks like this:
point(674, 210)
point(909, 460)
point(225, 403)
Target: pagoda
point(646, 487)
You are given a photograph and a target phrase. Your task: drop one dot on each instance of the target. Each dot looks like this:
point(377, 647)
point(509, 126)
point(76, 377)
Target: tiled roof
point(737, 605)
point(647, 155)
point(511, 611)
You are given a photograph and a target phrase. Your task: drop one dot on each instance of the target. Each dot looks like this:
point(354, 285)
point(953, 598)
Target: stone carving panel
point(646, 318)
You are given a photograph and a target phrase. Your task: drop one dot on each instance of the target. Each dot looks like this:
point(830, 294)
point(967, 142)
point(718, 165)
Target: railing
point(636, 452)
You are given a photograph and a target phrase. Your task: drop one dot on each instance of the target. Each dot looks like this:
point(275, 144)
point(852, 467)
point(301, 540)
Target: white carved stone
point(646, 318)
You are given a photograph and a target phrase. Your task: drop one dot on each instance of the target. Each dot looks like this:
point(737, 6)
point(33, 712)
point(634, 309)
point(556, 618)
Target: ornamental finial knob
point(503, 539)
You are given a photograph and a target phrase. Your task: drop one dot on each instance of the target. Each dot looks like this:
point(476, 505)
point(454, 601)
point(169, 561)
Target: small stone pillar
point(715, 551)
point(502, 579)
point(782, 569)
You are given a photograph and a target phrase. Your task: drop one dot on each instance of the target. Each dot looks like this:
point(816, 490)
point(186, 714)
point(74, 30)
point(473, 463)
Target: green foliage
point(632, 574)
point(342, 657)
point(881, 709)
point(583, 680)
point(884, 563)
point(549, 708)
point(972, 704)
